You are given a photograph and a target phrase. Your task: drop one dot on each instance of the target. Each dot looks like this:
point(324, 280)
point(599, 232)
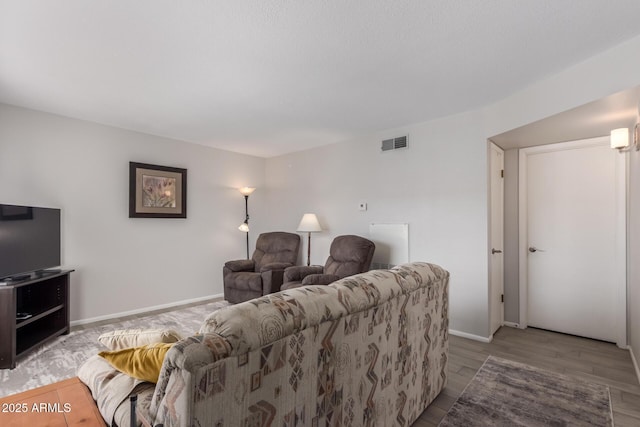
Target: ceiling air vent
point(395, 143)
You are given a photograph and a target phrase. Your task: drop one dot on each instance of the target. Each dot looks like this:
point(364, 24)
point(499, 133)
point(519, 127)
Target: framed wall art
point(12, 212)
point(157, 191)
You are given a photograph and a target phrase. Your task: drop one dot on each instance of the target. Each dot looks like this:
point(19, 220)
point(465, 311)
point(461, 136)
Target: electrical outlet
point(362, 206)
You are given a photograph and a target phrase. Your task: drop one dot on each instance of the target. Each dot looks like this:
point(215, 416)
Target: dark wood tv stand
point(44, 298)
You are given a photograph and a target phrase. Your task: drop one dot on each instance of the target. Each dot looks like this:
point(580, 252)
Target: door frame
point(491, 146)
point(620, 279)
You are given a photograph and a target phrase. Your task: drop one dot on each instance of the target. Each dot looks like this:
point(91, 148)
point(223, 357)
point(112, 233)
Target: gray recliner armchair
point(246, 279)
point(348, 255)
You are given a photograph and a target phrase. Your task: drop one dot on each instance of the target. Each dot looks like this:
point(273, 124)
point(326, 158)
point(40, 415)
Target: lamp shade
point(245, 191)
point(309, 223)
point(620, 138)
point(244, 227)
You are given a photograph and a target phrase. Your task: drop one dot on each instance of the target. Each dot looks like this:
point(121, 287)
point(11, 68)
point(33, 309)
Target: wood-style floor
point(582, 358)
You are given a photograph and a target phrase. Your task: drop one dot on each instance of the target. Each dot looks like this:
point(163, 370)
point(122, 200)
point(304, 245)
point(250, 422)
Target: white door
point(573, 238)
point(496, 264)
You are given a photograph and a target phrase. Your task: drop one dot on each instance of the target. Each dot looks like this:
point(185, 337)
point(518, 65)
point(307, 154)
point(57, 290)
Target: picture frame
point(157, 191)
point(15, 213)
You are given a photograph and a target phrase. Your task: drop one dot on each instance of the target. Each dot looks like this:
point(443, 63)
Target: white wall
point(127, 263)
point(611, 71)
point(438, 185)
point(633, 281)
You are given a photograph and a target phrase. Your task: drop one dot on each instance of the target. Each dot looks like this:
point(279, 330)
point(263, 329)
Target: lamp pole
point(309, 224)
point(246, 191)
point(308, 248)
point(246, 220)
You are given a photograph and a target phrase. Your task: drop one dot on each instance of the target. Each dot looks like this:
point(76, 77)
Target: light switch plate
point(362, 206)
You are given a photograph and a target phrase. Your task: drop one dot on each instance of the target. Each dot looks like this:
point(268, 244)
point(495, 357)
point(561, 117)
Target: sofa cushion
point(342, 268)
point(276, 246)
point(143, 363)
point(299, 272)
point(349, 255)
point(128, 338)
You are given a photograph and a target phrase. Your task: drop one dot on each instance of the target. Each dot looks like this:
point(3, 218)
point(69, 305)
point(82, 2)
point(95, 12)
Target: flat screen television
point(29, 239)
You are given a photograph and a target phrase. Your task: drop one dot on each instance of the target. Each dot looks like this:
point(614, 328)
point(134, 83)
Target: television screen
point(29, 239)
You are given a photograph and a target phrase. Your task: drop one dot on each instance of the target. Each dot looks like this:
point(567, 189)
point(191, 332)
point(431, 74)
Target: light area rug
point(60, 358)
point(507, 393)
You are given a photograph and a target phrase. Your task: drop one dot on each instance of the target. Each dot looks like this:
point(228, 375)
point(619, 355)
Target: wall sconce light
point(309, 224)
point(244, 227)
point(620, 138)
point(622, 141)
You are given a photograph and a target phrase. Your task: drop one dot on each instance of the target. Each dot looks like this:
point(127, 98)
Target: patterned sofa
point(370, 349)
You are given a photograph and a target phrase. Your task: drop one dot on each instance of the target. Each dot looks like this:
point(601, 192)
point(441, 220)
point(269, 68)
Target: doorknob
point(533, 249)
point(495, 251)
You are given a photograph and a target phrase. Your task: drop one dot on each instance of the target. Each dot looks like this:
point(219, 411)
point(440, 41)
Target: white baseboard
point(635, 363)
point(143, 310)
point(471, 336)
point(512, 325)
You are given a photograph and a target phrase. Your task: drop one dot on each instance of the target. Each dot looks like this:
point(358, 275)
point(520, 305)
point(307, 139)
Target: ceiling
point(268, 77)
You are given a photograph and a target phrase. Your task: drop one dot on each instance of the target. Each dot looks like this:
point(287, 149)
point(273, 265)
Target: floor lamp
point(246, 191)
point(309, 224)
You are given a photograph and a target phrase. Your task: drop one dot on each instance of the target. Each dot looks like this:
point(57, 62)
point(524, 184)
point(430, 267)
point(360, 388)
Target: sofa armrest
point(320, 279)
point(191, 353)
point(296, 274)
point(240, 265)
point(178, 377)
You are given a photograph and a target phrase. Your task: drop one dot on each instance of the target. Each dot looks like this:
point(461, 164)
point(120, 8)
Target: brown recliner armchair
point(348, 255)
point(246, 279)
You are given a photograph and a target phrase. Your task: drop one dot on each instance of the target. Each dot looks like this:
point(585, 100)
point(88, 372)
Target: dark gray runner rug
point(61, 357)
point(506, 393)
